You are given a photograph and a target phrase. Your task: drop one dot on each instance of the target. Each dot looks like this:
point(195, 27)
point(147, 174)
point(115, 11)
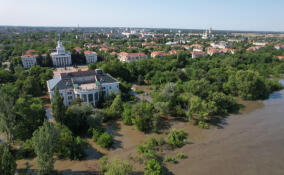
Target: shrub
point(79, 146)
point(156, 121)
point(116, 107)
point(161, 141)
point(142, 116)
point(69, 146)
point(26, 150)
point(119, 167)
point(177, 138)
point(181, 156)
point(146, 151)
point(139, 91)
point(203, 125)
point(96, 134)
point(152, 142)
point(170, 159)
point(103, 163)
point(115, 167)
point(126, 115)
point(153, 167)
point(105, 140)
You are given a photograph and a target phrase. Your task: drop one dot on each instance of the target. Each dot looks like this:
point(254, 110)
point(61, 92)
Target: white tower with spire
point(61, 58)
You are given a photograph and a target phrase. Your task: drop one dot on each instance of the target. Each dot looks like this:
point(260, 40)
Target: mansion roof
point(76, 79)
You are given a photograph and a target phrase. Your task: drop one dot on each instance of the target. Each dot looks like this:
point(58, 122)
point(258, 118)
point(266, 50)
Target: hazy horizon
point(262, 15)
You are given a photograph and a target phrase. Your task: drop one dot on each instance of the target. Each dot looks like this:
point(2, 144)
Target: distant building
point(91, 57)
point(78, 49)
point(129, 57)
point(280, 57)
point(211, 51)
point(259, 43)
point(207, 34)
point(174, 52)
point(172, 43)
point(196, 54)
point(103, 49)
point(86, 85)
point(159, 54)
point(196, 46)
point(30, 58)
point(28, 61)
point(279, 47)
point(220, 45)
point(254, 48)
point(61, 58)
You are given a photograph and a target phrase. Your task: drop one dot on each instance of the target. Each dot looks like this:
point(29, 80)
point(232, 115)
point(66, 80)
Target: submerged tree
point(7, 161)
point(45, 140)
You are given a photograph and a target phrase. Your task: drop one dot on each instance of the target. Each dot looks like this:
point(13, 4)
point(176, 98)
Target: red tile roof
point(280, 57)
point(89, 52)
point(30, 51)
point(30, 56)
point(198, 53)
point(254, 48)
point(158, 53)
point(78, 48)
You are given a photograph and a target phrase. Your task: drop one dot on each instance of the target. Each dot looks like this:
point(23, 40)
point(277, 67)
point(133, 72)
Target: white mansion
point(91, 57)
point(85, 85)
point(28, 61)
point(30, 58)
point(61, 58)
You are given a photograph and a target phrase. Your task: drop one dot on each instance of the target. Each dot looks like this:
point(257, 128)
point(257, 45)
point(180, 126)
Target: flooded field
point(249, 143)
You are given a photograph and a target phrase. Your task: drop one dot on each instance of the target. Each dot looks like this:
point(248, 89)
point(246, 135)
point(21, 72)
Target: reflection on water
point(275, 95)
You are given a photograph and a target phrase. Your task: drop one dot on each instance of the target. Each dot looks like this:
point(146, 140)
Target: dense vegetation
point(199, 90)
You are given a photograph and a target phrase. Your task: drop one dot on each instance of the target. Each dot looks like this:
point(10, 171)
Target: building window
point(84, 98)
point(96, 96)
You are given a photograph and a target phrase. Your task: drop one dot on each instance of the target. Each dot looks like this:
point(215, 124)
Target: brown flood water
point(250, 143)
point(247, 144)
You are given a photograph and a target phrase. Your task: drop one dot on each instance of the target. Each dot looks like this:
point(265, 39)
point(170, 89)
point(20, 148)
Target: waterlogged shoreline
point(248, 143)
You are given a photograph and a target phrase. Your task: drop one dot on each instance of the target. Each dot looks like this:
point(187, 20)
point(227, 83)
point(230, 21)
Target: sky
point(253, 15)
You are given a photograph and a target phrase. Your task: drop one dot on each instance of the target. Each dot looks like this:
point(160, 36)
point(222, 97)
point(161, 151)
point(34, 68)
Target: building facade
point(207, 34)
point(89, 86)
point(28, 61)
point(196, 54)
point(61, 58)
point(91, 57)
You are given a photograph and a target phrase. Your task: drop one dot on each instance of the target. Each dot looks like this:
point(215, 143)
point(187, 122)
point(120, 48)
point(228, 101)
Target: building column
point(94, 100)
point(87, 95)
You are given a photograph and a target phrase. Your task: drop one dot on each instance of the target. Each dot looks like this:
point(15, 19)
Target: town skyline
point(221, 15)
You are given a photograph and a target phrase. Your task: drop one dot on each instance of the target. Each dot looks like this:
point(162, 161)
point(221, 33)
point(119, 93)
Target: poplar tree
point(58, 107)
point(45, 140)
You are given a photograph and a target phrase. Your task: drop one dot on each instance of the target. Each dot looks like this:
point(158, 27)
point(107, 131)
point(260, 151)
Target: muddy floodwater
point(251, 143)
